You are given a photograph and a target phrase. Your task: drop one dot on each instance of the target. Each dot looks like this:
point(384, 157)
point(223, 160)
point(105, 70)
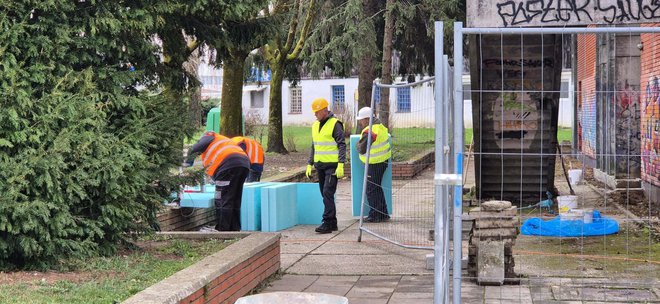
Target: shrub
point(80, 146)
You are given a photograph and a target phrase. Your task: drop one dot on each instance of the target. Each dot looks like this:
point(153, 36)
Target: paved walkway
point(374, 271)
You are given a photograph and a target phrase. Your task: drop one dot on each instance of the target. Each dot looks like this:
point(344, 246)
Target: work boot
point(326, 228)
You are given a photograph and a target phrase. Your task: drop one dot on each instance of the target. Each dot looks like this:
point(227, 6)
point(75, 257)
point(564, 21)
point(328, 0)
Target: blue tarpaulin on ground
point(575, 228)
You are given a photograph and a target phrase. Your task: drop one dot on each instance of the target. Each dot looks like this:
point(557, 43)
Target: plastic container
point(575, 176)
point(292, 297)
point(588, 216)
point(571, 216)
point(566, 203)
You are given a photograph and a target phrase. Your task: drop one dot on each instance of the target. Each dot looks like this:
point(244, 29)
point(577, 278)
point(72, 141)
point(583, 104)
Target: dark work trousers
point(254, 176)
point(375, 194)
point(228, 195)
point(328, 187)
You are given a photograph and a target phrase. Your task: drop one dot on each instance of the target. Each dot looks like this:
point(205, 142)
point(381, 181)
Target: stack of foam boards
point(267, 206)
point(309, 203)
point(194, 198)
point(278, 207)
point(251, 206)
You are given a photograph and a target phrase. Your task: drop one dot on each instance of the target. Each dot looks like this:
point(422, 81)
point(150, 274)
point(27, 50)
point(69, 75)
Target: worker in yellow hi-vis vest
point(328, 155)
point(380, 153)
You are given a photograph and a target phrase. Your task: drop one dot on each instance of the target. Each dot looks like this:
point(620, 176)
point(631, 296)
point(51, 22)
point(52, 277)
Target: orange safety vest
point(217, 152)
point(253, 149)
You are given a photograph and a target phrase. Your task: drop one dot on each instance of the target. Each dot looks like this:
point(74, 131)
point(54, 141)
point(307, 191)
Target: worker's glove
point(308, 172)
point(340, 170)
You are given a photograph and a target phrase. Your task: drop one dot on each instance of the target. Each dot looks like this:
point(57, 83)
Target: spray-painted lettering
point(568, 12)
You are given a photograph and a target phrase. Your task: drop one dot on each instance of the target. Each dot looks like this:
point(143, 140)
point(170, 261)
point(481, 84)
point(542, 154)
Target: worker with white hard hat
point(379, 153)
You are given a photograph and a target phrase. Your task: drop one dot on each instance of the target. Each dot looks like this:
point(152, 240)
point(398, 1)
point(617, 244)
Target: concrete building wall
point(255, 102)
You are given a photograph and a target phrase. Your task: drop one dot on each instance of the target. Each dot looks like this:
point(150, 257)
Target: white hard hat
point(364, 113)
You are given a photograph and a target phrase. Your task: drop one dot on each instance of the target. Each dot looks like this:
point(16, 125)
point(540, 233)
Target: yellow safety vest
point(380, 150)
point(325, 147)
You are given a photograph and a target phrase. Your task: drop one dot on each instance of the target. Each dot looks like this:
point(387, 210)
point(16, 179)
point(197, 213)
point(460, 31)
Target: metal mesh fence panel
point(560, 167)
point(407, 110)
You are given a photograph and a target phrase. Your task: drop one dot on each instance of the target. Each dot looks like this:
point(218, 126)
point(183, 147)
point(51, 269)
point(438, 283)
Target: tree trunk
point(386, 76)
point(367, 70)
point(231, 106)
point(365, 81)
point(275, 136)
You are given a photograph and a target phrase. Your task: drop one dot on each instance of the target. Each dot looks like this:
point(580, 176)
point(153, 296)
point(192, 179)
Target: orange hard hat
point(319, 104)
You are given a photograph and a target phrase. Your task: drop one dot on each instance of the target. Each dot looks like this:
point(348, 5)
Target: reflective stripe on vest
point(253, 149)
point(380, 150)
point(217, 152)
point(325, 146)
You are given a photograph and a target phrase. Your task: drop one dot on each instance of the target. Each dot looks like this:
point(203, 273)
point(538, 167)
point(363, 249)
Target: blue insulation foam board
point(357, 178)
point(251, 206)
point(197, 199)
point(278, 207)
point(309, 204)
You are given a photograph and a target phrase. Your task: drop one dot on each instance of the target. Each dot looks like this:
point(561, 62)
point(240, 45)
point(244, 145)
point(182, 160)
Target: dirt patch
point(37, 277)
point(278, 163)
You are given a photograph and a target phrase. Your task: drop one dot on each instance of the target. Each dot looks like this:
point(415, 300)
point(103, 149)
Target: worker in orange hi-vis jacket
point(228, 165)
point(255, 153)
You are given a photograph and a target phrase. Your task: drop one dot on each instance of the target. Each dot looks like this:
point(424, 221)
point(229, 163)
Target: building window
point(338, 99)
point(295, 102)
point(257, 99)
point(403, 99)
point(376, 95)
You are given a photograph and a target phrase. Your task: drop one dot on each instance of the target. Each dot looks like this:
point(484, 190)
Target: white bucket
point(571, 216)
point(566, 203)
point(575, 176)
point(588, 216)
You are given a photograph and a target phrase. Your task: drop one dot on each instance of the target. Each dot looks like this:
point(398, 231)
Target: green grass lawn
point(112, 279)
point(407, 141)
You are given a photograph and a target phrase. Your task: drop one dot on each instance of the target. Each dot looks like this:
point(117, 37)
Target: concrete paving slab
point(347, 264)
point(288, 259)
point(357, 300)
point(407, 298)
point(291, 283)
point(299, 246)
point(378, 281)
point(508, 292)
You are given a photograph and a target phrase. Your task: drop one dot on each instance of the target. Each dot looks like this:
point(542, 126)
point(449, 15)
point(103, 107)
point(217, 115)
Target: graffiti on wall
point(650, 131)
point(628, 136)
point(587, 120)
point(506, 13)
point(516, 114)
point(515, 120)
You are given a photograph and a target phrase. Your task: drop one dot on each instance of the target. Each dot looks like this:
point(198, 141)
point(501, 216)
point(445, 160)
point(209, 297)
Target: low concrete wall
point(408, 169)
point(222, 277)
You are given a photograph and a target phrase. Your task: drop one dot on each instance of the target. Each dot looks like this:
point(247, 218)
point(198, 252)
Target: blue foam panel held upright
point(278, 207)
point(309, 204)
point(357, 178)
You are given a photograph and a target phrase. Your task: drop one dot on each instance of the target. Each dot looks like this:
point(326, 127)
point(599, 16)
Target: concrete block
point(278, 207)
point(476, 213)
point(309, 204)
point(357, 178)
point(500, 232)
point(495, 205)
point(489, 223)
point(490, 263)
